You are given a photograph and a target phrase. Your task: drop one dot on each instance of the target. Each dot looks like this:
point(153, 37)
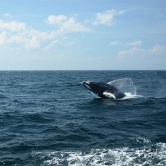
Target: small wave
point(154, 154)
point(157, 97)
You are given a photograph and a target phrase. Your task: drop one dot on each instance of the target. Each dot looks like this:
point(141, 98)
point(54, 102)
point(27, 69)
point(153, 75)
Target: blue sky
point(83, 35)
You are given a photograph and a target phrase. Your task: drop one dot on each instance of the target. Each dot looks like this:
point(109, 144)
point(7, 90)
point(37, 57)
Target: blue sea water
point(48, 118)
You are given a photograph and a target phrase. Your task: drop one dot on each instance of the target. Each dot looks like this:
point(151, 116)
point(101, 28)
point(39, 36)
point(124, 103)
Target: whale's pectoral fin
point(109, 95)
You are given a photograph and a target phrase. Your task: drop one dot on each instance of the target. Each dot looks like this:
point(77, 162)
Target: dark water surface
point(47, 118)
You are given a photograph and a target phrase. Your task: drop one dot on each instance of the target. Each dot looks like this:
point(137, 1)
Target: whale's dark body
point(103, 90)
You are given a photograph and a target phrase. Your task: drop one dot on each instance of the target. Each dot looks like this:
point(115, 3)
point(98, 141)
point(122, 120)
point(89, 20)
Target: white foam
point(130, 96)
point(146, 155)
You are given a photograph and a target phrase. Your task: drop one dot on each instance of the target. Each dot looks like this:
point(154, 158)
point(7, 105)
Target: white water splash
point(139, 156)
point(125, 85)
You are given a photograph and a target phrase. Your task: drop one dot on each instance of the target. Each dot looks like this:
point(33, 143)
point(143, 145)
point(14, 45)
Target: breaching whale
point(103, 90)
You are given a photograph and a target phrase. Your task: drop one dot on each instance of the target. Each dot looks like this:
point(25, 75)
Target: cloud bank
point(18, 35)
point(63, 31)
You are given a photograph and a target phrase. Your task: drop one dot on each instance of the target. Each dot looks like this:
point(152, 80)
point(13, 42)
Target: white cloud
point(49, 46)
point(33, 42)
point(71, 25)
point(106, 17)
point(135, 43)
point(157, 50)
point(115, 43)
point(56, 19)
point(67, 25)
point(141, 58)
point(12, 26)
point(131, 52)
point(3, 38)
point(16, 34)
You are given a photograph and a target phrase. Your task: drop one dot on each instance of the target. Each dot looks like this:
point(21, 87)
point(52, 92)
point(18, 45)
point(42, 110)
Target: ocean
point(47, 118)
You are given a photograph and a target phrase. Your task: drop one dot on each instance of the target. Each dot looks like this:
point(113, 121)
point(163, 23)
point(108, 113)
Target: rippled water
point(49, 118)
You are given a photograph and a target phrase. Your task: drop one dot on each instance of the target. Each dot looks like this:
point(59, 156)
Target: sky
point(83, 35)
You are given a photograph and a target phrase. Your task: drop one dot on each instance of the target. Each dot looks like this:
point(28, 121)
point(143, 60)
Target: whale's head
point(96, 87)
point(87, 84)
